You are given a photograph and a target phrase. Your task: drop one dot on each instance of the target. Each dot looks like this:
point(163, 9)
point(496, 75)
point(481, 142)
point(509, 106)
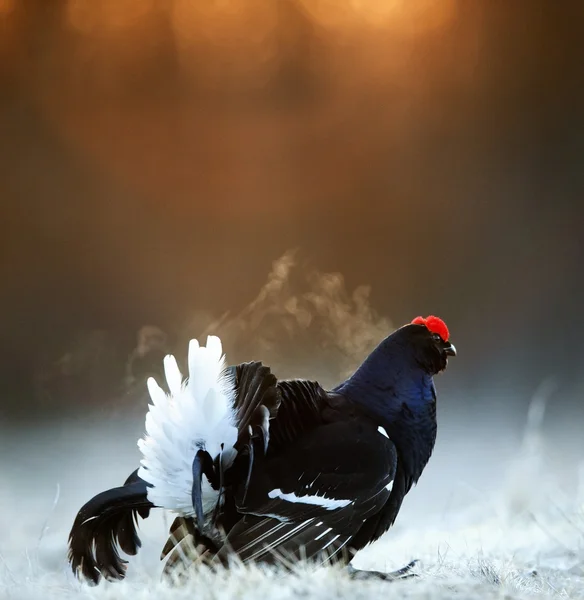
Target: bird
point(273, 471)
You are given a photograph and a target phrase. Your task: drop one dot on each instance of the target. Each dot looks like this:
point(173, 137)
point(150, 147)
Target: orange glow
point(401, 16)
point(107, 16)
point(329, 13)
point(302, 86)
point(249, 31)
point(223, 20)
point(254, 19)
point(6, 7)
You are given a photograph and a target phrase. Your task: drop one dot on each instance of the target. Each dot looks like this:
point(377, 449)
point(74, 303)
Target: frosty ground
point(496, 515)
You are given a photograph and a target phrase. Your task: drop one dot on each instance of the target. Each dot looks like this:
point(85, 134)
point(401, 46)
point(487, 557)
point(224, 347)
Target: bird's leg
point(403, 573)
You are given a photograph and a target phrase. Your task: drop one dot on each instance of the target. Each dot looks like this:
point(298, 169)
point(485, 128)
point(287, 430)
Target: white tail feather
point(198, 413)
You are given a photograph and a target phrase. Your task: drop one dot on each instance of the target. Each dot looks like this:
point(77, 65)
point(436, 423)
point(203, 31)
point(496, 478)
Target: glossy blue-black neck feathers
point(395, 386)
point(393, 374)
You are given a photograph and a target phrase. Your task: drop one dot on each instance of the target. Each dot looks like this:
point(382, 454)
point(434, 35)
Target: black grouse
point(270, 470)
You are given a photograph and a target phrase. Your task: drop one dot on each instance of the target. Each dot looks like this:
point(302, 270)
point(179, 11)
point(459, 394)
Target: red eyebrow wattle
point(434, 324)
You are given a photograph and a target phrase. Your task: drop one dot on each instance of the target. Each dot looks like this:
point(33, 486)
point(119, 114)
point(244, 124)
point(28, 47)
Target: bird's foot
point(403, 573)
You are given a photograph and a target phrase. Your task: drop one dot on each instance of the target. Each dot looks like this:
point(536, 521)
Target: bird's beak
point(197, 493)
point(449, 349)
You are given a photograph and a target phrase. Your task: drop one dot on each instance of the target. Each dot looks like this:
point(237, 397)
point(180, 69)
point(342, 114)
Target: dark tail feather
point(255, 387)
point(107, 521)
point(202, 465)
point(257, 401)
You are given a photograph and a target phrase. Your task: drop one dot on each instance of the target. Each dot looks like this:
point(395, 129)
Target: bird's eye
point(436, 337)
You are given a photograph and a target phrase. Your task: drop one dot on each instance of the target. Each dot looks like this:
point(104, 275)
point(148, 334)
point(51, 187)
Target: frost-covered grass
point(492, 517)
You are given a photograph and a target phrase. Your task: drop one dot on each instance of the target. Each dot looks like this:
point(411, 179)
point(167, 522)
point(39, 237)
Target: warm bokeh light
point(158, 154)
point(241, 86)
point(417, 16)
point(221, 21)
point(210, 27)
point(6, 7)
point(403, 17)
point(107, 16)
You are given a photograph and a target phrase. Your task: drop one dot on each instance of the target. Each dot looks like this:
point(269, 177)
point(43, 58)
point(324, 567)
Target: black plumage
point(107, 521)
point(318, 474)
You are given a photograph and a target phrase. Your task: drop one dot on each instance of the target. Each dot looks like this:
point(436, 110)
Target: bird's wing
point(108, 522)
point(376, 525)
point(300, 411)
point(312, 499)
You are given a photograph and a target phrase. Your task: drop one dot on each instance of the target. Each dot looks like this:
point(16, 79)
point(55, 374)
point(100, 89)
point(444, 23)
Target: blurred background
point(393, 158)
point(299, 176)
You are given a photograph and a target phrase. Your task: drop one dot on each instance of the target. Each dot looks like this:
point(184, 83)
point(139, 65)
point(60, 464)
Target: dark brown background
point(156, 157)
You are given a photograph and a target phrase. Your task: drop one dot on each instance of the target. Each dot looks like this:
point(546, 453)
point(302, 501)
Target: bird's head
point(401, 370)
point(428, 339)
